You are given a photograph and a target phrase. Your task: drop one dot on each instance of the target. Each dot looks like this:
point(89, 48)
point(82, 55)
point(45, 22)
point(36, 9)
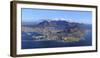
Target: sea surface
point(86, 40)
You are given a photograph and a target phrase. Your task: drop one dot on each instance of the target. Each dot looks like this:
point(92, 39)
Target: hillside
point(58, 30)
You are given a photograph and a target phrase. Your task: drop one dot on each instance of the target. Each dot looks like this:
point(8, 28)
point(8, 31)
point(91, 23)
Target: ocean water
point(31, 44)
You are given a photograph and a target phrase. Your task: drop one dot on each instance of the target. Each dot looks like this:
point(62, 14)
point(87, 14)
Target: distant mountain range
point(59, 24)
point(56, 30)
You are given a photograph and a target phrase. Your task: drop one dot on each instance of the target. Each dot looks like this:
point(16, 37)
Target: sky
point(36, 15)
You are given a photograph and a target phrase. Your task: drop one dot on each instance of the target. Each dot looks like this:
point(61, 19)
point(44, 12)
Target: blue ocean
point(31, 44)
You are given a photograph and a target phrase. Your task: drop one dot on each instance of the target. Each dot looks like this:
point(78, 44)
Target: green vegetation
point(70, 39)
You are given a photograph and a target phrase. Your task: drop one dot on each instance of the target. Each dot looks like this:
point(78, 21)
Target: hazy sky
point(35, 15)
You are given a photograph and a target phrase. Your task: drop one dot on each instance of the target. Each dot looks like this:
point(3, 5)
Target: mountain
point(59, 24)
point(56, 30)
